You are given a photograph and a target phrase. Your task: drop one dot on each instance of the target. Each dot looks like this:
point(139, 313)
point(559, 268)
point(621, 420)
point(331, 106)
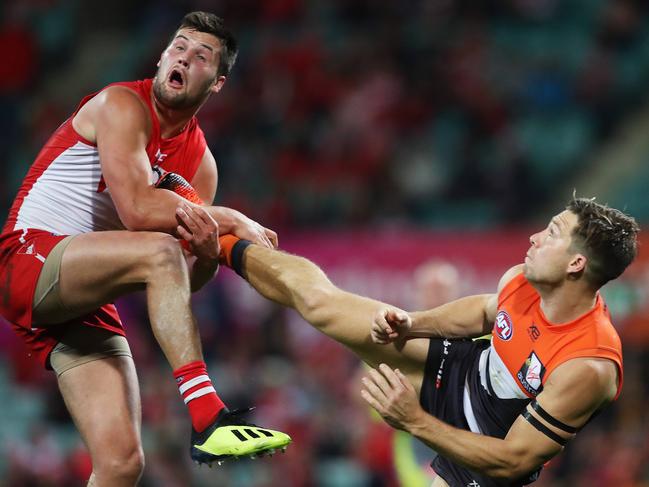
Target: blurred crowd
point(338, 114)
point(446, 112)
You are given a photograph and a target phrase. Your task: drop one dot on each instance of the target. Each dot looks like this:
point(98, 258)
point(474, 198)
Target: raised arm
point(471, 316)
point(201, 226)
point(120, 124)
point(200, 229)
point(572, 394)
point(229, 220)
point(465, 317)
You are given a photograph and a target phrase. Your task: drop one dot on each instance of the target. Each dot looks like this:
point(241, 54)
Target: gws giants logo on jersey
point(531, 374)
point(504, 326)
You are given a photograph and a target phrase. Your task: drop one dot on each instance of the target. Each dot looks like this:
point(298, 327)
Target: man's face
point(550, 257)
point(187, 71)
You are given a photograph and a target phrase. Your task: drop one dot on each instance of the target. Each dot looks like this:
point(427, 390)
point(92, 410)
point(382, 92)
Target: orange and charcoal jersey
point(483, 386)
point(527, 348)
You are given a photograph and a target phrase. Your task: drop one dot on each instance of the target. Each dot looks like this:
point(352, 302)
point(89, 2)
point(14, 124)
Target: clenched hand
point(389, 325)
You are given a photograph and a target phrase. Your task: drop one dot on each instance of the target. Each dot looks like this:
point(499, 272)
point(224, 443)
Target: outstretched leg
point(298, 283)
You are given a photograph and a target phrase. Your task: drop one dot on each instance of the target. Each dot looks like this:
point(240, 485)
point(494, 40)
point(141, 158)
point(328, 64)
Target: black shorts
point(449, 366)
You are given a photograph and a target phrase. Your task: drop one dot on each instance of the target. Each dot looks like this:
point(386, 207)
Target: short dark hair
point(213, 24)
point(607, 237)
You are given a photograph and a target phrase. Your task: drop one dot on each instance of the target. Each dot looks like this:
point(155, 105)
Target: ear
point(577, 264)
point(218, 84)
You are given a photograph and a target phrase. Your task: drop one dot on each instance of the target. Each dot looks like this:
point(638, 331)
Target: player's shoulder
point(119, 106)
point(123, 97)
point(509, 276)
point(585, 374)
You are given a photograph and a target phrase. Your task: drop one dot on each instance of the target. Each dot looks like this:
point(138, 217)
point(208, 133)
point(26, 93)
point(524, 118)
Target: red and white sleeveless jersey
point(64, 191)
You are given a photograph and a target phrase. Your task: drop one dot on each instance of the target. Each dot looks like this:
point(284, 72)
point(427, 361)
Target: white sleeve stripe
point(193, 382)
point(199, 393)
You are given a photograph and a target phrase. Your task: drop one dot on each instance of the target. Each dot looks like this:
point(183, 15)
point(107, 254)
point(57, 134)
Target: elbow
point(515, 461)
point(134, 220)
point(509, 470)
point(502, 470)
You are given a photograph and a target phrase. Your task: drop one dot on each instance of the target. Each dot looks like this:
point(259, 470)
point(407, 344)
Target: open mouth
point(176, 79)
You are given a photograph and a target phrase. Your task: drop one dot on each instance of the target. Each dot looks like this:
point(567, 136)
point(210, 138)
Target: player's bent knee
point(126, 465)
point(163, 252)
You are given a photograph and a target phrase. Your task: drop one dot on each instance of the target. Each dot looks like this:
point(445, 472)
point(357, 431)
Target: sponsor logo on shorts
point(473, 483)
point(531, 374)
point(26, 250)
point(30, 249)
point(504, 326)
point(440, 371)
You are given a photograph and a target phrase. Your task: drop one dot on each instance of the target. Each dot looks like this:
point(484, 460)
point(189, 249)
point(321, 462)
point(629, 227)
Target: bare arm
point(229, 220)
point(121, 127)
point(472, 316)
point(119, 122)
point(205, 182)
point(464, 317)
point(573, 393)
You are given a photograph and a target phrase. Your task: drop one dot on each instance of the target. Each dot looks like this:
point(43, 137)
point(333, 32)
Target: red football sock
point(198, 393)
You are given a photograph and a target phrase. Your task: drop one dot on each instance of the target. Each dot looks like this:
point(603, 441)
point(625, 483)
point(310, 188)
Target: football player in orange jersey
point(495, 411)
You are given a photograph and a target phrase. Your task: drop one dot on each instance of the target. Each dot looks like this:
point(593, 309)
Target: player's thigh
point(98, 267)
point(348, 317)
point(103, 399)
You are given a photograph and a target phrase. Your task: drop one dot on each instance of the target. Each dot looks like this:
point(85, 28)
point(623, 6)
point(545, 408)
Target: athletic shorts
point(22, 255)
point(448, 365)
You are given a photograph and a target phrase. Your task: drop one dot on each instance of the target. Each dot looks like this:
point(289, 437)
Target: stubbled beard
point(179, 101)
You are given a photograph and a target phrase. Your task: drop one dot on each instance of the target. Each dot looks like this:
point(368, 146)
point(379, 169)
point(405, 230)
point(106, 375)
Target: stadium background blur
point(373, 135)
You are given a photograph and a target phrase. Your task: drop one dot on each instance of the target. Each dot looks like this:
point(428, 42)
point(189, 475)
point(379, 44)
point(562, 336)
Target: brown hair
point(212, 24)
point(606, 236)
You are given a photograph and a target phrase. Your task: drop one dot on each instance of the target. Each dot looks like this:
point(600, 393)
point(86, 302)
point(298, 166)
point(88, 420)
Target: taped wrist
point(238, 250)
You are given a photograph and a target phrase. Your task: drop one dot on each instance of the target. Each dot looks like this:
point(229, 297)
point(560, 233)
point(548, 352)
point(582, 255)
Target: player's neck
point(567, 302)
point(172, 121)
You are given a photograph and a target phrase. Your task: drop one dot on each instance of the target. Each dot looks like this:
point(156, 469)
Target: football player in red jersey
point(88, 225)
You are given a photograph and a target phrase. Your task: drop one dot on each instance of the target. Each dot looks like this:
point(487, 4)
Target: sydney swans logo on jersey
point(160, 157)
point(504, 326)
point(531, 374)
